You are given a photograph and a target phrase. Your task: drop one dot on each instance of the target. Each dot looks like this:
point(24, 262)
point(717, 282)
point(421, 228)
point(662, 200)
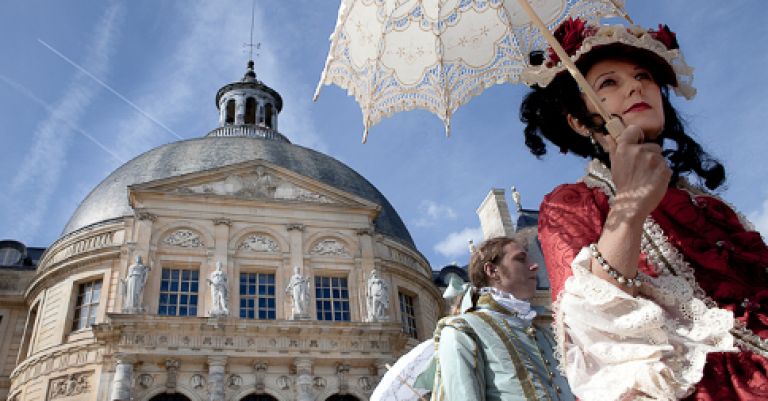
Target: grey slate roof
point(109, 199)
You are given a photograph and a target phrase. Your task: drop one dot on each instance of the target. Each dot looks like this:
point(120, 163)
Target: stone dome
point(109, 200)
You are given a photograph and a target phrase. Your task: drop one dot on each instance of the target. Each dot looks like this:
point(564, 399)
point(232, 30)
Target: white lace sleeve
point(615, 346)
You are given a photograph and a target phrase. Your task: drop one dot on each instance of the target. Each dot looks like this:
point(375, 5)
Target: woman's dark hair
point(544, 112)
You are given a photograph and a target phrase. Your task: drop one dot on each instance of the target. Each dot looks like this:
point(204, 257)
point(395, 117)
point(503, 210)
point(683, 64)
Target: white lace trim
point(634, 36)
point(519, 307)
point(652, 345)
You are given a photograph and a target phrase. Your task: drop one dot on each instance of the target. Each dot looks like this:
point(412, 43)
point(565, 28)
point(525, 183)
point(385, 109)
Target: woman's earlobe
point(577, 126)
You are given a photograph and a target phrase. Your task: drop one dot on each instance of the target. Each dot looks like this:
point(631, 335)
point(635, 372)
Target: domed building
point(235, 266)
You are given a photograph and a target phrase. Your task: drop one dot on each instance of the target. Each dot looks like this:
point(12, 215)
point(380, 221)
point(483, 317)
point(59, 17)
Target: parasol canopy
point(398, 55)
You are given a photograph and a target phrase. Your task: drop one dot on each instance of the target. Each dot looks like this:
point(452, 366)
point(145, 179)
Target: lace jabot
point(518, 307)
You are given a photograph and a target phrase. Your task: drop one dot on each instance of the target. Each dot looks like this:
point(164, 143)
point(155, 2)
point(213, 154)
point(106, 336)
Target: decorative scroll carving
point(320, 383)
point(142, 214)
point(329, 247)
point(222, 221)
point(70, 385)
point(294, 226)
point(184, 239)
point(259, 243)
point(260, 184)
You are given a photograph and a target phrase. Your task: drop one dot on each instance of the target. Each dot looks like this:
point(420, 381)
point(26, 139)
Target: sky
point(86, 86)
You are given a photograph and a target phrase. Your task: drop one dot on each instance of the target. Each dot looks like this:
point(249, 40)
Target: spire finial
point(251, 74)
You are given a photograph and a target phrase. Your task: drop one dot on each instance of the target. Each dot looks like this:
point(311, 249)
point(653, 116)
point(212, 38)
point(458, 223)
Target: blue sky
point(63, 132)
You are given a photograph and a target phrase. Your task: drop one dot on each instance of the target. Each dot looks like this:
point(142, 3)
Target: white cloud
point(760, 219)
point(456, 244)
point(39, 173)
point(432, 213)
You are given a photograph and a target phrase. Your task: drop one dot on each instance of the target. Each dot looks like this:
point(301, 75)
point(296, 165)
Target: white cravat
point(519, 307)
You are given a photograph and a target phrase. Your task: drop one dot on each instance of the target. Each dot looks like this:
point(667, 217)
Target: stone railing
point(251, 131)
point(76, 246)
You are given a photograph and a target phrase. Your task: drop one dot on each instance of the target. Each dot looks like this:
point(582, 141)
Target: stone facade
point(122, 306)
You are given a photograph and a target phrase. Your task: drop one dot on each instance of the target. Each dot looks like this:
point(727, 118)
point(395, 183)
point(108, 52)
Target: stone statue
point(132, 287)
point(516, 199)
point(378, 298)
point(299, 290)
point(219, 292)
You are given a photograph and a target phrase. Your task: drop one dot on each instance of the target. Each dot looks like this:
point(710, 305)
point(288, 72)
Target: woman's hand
point(640, 174)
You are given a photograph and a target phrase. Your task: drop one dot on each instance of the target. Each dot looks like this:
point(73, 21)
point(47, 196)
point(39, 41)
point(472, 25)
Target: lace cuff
point(654, 345)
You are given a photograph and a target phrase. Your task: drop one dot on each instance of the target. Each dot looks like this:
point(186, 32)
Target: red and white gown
point(698, 328)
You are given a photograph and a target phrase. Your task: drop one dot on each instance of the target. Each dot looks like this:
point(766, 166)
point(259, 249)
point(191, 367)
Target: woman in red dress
point(660, 287)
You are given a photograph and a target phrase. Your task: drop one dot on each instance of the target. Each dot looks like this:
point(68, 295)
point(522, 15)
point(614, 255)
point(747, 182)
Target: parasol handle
point(421, 397)
point(614, 125)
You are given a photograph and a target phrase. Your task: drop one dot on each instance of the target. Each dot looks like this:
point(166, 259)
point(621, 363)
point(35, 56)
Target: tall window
point(332, 298)
point(178, 292)
point(250, 110)
point(87, 303)
point(408, 315)
point(257, 296)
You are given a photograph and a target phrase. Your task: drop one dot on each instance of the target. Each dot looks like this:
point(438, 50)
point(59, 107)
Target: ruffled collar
point(508, 303)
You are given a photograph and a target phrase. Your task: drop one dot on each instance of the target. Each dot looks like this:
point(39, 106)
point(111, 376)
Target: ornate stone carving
point(342, 373)
point(216, 373)
point(283, 382)
point(320, 383)
point(260, 184)
point(295, 226)
point(329, 247)
point(377, 298)
point(172, 367)
point(365, 384)
point(304, 380)
point(142, 214)
point(145, 380)
point(132, 287)
point(197, 381)
point(69, 385)
point(222, 221)
point(234, 382)
point(184, 239)
point(261, 372)
point(219, 292)
point(298, 287)
point(259, 243)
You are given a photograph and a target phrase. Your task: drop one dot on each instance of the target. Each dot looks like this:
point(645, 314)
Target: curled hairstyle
point(490, 251)
point(544, 112)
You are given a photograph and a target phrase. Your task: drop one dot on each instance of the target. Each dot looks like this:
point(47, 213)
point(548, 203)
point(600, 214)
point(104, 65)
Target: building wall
point(181, 353)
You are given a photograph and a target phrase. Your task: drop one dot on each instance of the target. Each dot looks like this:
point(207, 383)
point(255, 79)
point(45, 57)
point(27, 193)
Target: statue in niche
point(132, 287)
point(298, 287)
point(378, 298)
point(219, 291)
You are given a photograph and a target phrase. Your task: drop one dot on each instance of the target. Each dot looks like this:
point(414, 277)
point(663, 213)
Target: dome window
point(250, 111)
point(230, 118)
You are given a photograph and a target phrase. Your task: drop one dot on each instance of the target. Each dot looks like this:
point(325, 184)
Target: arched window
point(230, 119)
point(170, 397)
point(250, 111)
point(258, 397)
point(268, 112)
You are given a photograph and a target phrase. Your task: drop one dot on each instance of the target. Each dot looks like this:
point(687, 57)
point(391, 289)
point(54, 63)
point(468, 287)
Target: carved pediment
point(258, 243)
point(183, 238)
point(329, 247)
point(257, 179)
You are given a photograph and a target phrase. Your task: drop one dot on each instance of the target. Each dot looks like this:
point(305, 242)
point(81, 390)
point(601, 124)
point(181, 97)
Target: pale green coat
point(491, 354)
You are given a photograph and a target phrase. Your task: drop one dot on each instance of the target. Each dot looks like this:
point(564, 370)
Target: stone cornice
point(147, 334)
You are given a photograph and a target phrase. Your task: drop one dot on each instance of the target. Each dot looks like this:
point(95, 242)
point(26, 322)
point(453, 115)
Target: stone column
point(216, 373)
point(122, 382)
point(239, 109)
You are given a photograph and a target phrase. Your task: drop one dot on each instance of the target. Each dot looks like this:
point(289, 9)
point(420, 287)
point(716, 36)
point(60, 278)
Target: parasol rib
point(614, 125)
point(402, 380)
point(441, 63)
